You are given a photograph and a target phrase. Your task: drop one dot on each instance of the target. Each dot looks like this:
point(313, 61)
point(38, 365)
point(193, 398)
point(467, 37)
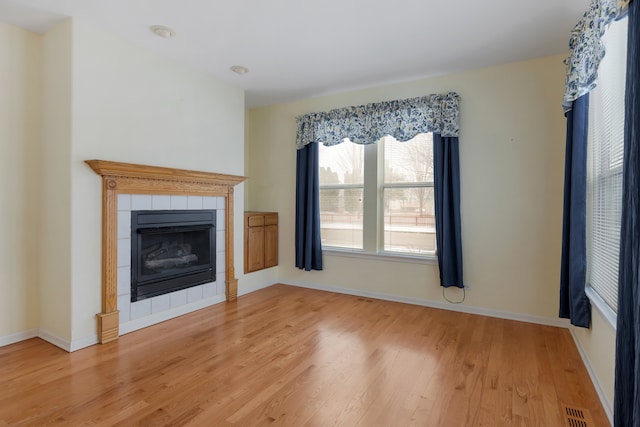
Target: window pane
point(408, 161)
point(409, 223)
point(342, 164)
point(341, 189)
point(341, 217)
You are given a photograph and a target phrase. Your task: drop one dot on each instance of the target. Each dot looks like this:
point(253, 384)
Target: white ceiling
point(296, 49)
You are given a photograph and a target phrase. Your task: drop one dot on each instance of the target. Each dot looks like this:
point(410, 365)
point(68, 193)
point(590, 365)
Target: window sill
point(602, 307)
point(381, 256)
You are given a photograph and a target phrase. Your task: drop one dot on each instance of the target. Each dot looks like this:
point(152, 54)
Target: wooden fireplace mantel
point(128, 178)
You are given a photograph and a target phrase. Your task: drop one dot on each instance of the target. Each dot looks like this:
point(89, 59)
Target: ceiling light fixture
point(162, 31)
point(239, 69)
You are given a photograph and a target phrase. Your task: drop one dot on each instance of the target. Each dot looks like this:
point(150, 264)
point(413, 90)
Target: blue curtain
point(447, 209)
point(308, 241)
point(574, 304)
point(627, 378)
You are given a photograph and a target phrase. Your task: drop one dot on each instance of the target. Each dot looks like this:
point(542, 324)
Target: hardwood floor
point(297, 357)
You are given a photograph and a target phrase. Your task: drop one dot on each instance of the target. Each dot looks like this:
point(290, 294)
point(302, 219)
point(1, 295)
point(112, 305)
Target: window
point(378, 197)
point(604, 175)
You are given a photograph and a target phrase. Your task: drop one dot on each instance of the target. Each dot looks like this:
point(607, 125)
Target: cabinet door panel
point(271, 246)
point(255, 248)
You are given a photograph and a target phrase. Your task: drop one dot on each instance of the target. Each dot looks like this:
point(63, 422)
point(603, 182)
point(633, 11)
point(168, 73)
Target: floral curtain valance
point(366, 124)
point(587, 49)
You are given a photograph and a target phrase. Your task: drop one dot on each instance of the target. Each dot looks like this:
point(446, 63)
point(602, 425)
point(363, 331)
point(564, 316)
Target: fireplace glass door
point(170, 251)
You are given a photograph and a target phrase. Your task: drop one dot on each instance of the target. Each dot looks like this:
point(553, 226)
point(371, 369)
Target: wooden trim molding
point(128, 178)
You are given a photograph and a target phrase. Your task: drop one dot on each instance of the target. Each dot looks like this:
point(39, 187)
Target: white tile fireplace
point(140, 314)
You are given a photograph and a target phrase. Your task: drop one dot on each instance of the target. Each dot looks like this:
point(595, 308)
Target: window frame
point(373, 225)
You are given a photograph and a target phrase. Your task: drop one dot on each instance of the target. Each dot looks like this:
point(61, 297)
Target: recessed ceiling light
point(162, 31)
point(239, 69)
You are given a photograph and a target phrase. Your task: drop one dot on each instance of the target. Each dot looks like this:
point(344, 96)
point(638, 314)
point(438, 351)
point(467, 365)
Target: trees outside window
point(398, 175)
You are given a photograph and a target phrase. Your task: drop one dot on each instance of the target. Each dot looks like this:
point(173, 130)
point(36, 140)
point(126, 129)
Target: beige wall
point(511, 156)
point(20, 76)
point(135, 106)
point(55, 183)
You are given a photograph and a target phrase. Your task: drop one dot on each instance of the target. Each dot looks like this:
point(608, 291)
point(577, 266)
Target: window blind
point(605, 158)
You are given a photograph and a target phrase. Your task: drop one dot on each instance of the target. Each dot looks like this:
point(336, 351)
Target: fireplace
point(171, 250)
point(120, 179)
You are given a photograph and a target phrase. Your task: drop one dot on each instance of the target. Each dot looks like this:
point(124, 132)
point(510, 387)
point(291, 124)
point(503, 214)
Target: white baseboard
point(67, 345)
point(606, 403)
point(84, 342)
point(134, 325)
point(54, 339)
point(18, 336)
point(153, 319)
point(560, 323)
point(248, 289)
point(51, 338)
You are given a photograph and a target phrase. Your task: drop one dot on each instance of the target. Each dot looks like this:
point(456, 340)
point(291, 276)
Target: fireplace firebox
point(171, 250)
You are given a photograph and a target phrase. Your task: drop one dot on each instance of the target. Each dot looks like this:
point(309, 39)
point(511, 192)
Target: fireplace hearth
point(171, 250)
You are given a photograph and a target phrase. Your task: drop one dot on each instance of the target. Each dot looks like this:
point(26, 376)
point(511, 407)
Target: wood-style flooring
point(297, 357)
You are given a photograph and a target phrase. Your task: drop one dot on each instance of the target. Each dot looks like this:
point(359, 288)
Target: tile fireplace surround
point(148, 311)
point(129, 183)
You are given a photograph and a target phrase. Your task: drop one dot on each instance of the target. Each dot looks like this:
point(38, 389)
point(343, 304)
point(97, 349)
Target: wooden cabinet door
point(255, 248)
point(271, 246)
point(260, 241)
